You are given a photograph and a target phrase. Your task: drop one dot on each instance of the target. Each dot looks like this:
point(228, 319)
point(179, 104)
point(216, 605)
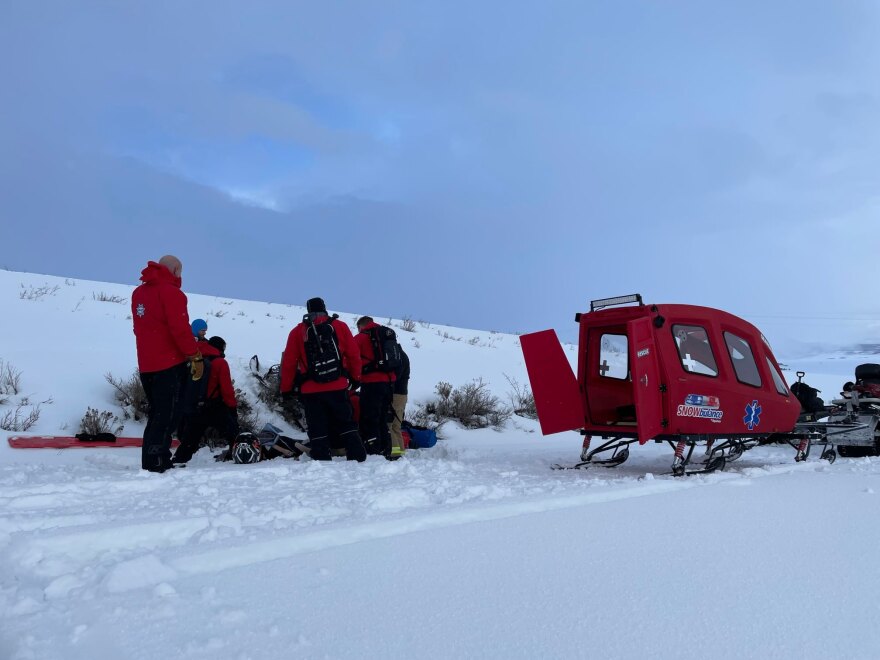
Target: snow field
point(474, 548)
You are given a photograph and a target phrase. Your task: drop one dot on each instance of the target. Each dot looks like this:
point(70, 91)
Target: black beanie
point(219, 344)
point(316, 305)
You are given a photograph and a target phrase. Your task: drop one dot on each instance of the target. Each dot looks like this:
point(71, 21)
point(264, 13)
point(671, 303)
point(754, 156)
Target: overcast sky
point(483, 164)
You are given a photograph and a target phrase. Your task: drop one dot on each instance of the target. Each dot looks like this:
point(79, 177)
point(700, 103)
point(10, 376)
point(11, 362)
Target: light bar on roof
point(619, 300)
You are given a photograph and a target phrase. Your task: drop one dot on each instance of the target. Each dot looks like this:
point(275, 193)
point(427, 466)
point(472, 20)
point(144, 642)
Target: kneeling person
point(211, 404)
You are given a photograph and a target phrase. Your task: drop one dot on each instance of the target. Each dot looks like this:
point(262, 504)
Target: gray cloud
point(522, 158)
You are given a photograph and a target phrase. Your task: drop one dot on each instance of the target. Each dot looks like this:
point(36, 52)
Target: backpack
point(386, 351)
point(195, 393)
point(808, 397)
point(322, 350)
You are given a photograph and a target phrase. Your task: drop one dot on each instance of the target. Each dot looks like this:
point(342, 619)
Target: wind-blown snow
point(474, 548)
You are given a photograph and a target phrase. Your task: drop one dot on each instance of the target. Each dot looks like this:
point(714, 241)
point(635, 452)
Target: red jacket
point(293, 360)
point(206, 349)
point(161, 323)
point(220, 382)
point(368, 355)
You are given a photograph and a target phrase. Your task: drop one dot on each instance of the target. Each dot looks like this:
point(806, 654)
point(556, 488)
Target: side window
point(694, 350)
point(777, 378)
point(743, 361)
point(614, 357)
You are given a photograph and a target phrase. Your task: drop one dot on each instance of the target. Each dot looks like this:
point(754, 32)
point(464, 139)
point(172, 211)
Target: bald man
point(165, 345)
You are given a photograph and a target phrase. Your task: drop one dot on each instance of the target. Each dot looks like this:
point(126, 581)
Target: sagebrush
point(99, 421)
point(20, 418)
point(37, 292)
point(130, 395)
point(522, 399)
point(472, 405)
point(10, 378)
point(269, 392)
point(248, 419)
point(107, 297)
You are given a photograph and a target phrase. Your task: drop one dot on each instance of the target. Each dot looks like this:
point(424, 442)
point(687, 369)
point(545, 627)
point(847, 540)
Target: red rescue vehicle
point(681, 374)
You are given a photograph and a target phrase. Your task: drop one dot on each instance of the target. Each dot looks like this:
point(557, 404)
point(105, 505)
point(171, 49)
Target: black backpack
point(196, 391)
point(808, 397)
point(322, 350)
point(385, 349)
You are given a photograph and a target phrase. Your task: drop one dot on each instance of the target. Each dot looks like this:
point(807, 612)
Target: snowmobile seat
point(868, 374)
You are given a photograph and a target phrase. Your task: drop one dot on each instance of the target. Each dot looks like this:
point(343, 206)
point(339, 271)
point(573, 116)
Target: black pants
point(215, 415)
point(163, 390)
point(331, 410)
point(375, 415)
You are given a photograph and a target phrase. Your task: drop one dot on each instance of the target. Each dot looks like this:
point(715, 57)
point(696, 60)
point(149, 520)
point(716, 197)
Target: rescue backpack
point(322, 350)
point(386, 351)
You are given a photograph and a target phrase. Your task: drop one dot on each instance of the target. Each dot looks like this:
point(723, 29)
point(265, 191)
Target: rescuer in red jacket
point(218, 410)
point(319, 363)
point(376, 393)
point(164, 347)
point(199, 330)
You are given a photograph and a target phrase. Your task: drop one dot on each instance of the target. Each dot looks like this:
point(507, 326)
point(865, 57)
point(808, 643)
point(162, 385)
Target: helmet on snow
point(246, 449)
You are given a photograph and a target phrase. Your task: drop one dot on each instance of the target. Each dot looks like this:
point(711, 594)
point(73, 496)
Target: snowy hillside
point(472, 549)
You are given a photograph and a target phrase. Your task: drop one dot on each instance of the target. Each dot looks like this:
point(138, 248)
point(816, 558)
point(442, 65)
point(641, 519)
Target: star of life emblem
point(141, 310)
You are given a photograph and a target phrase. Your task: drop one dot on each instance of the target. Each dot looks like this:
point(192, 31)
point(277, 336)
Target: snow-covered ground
point(472, 549)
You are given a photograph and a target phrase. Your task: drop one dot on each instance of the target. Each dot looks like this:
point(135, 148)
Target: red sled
point(63, 442)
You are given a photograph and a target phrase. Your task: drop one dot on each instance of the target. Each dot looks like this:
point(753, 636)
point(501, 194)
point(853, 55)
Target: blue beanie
point(197, 325)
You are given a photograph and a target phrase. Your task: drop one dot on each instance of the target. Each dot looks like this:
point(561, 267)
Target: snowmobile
point(857, 414)
point(683, 375)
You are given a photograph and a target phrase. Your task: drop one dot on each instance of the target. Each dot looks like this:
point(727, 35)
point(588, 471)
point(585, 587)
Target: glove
point(197, 366)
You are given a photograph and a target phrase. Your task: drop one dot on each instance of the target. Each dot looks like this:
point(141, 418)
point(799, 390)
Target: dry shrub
point(522, 399)
point(10, 378)
point(95, 422)
point(130, 395)
point(106, 297)
point(269, 392)
point(472, 405)
point(248, 419)
point(37, 292)
point(19, 418)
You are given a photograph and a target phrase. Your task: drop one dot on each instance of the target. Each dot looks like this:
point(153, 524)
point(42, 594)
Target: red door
point(557, 394)
point(645, 370)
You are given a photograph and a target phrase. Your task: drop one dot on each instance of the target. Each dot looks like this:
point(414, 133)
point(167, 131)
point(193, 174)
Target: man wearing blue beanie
point(199, 329)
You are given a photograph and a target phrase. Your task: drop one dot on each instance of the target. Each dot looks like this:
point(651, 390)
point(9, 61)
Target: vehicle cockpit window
point(694, 350)
point(743, 360)
point(777, 378)
point(614, 357)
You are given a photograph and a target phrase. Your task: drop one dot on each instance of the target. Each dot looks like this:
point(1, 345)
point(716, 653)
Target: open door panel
point(557, 395)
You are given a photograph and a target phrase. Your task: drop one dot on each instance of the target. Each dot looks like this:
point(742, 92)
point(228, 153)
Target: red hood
point(156, 273)
point(369, 326)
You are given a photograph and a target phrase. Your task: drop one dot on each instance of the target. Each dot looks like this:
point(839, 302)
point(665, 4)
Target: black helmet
point(246, 449)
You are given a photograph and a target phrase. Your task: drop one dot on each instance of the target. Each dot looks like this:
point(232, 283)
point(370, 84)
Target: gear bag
point(420, 437)
point(808, 397)
point(322, 350)
point(386, 351)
